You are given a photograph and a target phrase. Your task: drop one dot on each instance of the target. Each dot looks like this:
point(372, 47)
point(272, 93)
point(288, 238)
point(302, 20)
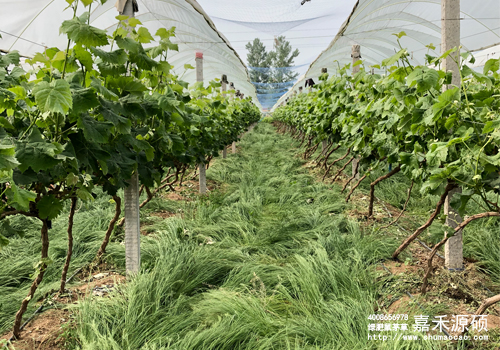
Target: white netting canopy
point(29, 26)
point(372, 23)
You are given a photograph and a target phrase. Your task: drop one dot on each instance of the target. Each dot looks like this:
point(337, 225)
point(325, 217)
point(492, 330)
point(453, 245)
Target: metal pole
point(450, 38)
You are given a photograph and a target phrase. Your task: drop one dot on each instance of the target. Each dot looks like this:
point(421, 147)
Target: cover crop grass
point(271, 263)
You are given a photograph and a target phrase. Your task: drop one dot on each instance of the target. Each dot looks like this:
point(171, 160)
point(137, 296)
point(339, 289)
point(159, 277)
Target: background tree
point(270, 71)
point(258, 57)
point(282, 60)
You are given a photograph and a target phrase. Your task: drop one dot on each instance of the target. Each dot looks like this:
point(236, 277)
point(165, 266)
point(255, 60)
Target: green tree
point(258, 57)
point(282, 58)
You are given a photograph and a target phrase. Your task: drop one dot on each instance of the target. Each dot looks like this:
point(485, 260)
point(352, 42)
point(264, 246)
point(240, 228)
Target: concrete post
point(131, 194)
point(231, 86)
point(356, 56)
point(199, 66)
point(201, 166)
point(453, 249)
point(450, 38)
point(132, 226)
point(203, 178)
point(223, 87)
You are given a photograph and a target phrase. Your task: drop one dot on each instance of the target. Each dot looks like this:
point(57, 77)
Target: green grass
point(270, 263)
point(18, 259)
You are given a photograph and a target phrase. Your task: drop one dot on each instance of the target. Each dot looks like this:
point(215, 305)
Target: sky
point(309, 27)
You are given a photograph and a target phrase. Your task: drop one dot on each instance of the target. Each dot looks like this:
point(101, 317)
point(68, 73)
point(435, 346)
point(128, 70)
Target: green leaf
point(425, 78)
point(19, 198)
point(115, 57)
point(109, 111)
point(83, 56)
point(49, 207)
point(8, 160)
point(97, 84)
point(37, 153)
point(491, 126)
point(53, 97)
point(80, 32)
point(128, 44)
point(142, 60)
point(94, 130)
point(84, 100)
point(400, 35)
point(108, 69)
point(166, 44)
point(84, 194)
point(492, 65)
point(164, 33)
point(144, 35)
point(450, 95)
point(133, 22)
point(390, 61)
point(10, 58)
point(164, 67)
point(129, 84)
point(437, 154)
point(177, 118)
point(71, 179)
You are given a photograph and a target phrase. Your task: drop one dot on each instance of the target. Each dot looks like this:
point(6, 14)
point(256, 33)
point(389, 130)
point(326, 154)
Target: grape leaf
point(93, 129)
point(54, 96)
point(80, 32)
point(49, 207)
point(115, 57)
point(37, 153)
point(84, 100)
point(8, 160)
point(492, 65)
point(19, 198)
point(144, 35)
point(425, 78)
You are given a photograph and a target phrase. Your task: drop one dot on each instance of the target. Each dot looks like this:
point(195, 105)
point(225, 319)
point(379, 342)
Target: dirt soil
point(46, 330)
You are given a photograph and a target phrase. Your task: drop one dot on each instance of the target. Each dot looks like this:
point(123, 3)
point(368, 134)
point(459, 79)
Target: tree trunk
point(111, 226)
point(429, 263)
point(421, 229)
point(34, 286)
point(336, 161)
point(374, 183)
point(354, 188)
point(70, 244)
point(404, 207)
point(342, 169)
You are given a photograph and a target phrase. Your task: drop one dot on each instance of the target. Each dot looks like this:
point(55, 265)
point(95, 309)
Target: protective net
point(273, 82)
point(373, 23)
point(30, 26)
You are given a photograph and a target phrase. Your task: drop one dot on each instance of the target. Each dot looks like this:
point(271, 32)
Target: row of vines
point(85, 119)
point(442, 138)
